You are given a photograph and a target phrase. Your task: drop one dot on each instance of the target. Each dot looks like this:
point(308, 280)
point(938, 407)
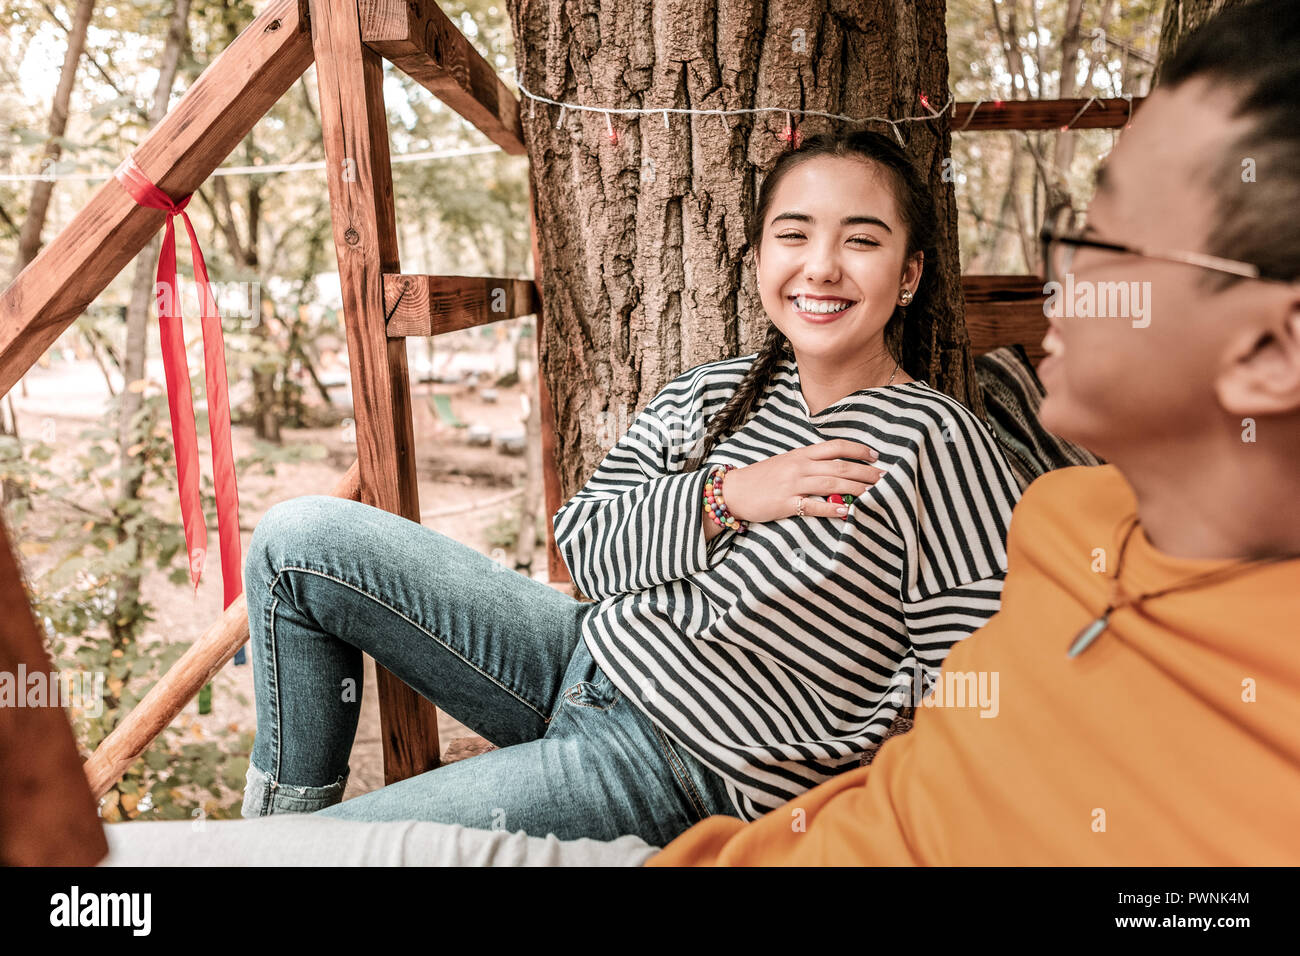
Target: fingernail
point(841, 511)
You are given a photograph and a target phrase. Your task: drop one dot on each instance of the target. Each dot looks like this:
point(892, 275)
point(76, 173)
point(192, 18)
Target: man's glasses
point(1058, 248)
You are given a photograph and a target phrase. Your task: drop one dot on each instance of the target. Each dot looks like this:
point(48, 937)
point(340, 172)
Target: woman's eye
point(860, 239)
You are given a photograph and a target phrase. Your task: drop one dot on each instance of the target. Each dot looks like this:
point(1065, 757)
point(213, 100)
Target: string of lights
point(790, 133)
point(262, 169)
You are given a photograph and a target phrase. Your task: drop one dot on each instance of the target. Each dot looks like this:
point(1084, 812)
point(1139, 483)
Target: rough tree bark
point(645, 265)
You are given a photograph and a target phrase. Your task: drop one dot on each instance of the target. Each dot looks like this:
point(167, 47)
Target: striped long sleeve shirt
point(779, 655)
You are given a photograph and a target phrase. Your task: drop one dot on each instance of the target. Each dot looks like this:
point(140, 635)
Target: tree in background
point(29, 239)
point(1010, 184)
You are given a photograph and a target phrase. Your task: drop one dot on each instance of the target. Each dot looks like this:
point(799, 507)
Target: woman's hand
point(770, 489)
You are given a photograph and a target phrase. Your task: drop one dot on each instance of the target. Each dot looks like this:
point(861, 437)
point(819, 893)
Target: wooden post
point(349, 76)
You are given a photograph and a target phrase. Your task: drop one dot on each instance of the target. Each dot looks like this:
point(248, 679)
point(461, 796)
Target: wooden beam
point(129, 739)
point(195, 136)
point(47, 813)
point(354, 126)
point(423, 43)
point(1042, 114)
point(431, 305)
point(1005, 310)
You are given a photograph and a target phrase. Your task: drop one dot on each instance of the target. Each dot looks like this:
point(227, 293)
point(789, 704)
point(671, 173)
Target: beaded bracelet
point(713, 502)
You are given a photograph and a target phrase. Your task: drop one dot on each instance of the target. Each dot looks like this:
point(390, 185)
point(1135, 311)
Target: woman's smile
point(819, 310)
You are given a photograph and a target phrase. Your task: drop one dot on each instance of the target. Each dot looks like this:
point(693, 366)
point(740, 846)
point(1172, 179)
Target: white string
point(564, 107)
point(978, 102)
point(1082, 110)
point(645, 110)
point(259, 170)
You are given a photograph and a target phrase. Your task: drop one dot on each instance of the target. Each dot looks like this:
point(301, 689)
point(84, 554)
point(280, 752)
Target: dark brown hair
point(908, 342)
point(1253, 51)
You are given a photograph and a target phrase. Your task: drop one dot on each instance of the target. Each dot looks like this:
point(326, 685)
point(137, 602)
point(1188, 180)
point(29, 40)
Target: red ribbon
point(179, 399)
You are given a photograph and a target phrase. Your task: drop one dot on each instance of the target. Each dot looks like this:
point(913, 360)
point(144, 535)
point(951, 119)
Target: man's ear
point(1260, 374)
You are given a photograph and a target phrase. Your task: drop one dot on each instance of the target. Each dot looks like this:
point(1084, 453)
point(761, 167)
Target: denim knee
point(289, 529)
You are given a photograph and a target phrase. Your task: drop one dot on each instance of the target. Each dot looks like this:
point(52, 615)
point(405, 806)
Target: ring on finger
point(801, 514)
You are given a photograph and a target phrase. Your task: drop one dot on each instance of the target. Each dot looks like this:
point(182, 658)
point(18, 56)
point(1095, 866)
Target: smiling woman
point(805, 634)
point(719, 670)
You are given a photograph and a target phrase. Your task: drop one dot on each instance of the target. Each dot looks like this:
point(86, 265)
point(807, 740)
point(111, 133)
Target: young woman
point(717, 669)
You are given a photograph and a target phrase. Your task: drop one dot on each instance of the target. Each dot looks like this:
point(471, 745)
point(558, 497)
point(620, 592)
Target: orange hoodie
point(1173, 740)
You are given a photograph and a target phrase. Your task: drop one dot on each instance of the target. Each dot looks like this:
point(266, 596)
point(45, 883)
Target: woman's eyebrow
point(846, 221)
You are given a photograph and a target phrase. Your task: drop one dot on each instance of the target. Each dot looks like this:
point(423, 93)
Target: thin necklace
point(1119, 600)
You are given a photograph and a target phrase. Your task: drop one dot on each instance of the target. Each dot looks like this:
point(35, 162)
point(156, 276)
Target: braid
point(741, 405)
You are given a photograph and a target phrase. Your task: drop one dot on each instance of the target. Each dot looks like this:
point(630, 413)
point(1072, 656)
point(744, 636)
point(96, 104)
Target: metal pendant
point(1089, 634)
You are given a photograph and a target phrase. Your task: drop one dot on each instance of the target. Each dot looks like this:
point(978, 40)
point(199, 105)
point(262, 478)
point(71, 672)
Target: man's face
point(1117, 383)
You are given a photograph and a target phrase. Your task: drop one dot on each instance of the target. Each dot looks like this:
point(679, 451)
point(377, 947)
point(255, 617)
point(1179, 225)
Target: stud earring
point(906, 295)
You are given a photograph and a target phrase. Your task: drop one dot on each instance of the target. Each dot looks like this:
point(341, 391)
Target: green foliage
point(89, 628)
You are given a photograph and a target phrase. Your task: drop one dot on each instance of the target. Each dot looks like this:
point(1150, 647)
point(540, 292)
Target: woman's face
point(833, 239)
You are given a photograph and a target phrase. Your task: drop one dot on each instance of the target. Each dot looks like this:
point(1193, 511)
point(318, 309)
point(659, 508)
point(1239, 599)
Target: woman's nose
point(821, 263)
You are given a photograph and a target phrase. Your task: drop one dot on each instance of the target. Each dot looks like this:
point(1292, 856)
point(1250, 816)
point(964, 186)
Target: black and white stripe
point(779, 655)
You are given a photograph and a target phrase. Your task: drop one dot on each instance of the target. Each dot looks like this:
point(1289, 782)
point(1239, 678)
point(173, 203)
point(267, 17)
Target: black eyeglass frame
point(1049, 235)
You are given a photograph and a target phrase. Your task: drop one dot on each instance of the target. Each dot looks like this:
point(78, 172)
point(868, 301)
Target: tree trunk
point(642, 242)
point(1058, 192)
point(29, 240)
point(1181, 18)
point(137, 335)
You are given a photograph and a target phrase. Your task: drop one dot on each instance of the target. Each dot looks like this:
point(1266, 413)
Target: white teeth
point(821, 307)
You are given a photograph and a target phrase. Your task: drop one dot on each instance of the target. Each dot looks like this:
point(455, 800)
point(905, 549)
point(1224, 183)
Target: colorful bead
point(714, 503)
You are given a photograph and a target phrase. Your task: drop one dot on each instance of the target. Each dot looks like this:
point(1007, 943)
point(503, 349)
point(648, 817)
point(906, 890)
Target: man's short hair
point(1252, 51)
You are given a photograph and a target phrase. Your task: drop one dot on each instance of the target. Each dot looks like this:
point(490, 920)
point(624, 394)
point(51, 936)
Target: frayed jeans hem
point(264, 796)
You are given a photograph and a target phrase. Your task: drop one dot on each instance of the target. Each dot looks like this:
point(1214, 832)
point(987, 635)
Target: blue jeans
point(328, 578)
